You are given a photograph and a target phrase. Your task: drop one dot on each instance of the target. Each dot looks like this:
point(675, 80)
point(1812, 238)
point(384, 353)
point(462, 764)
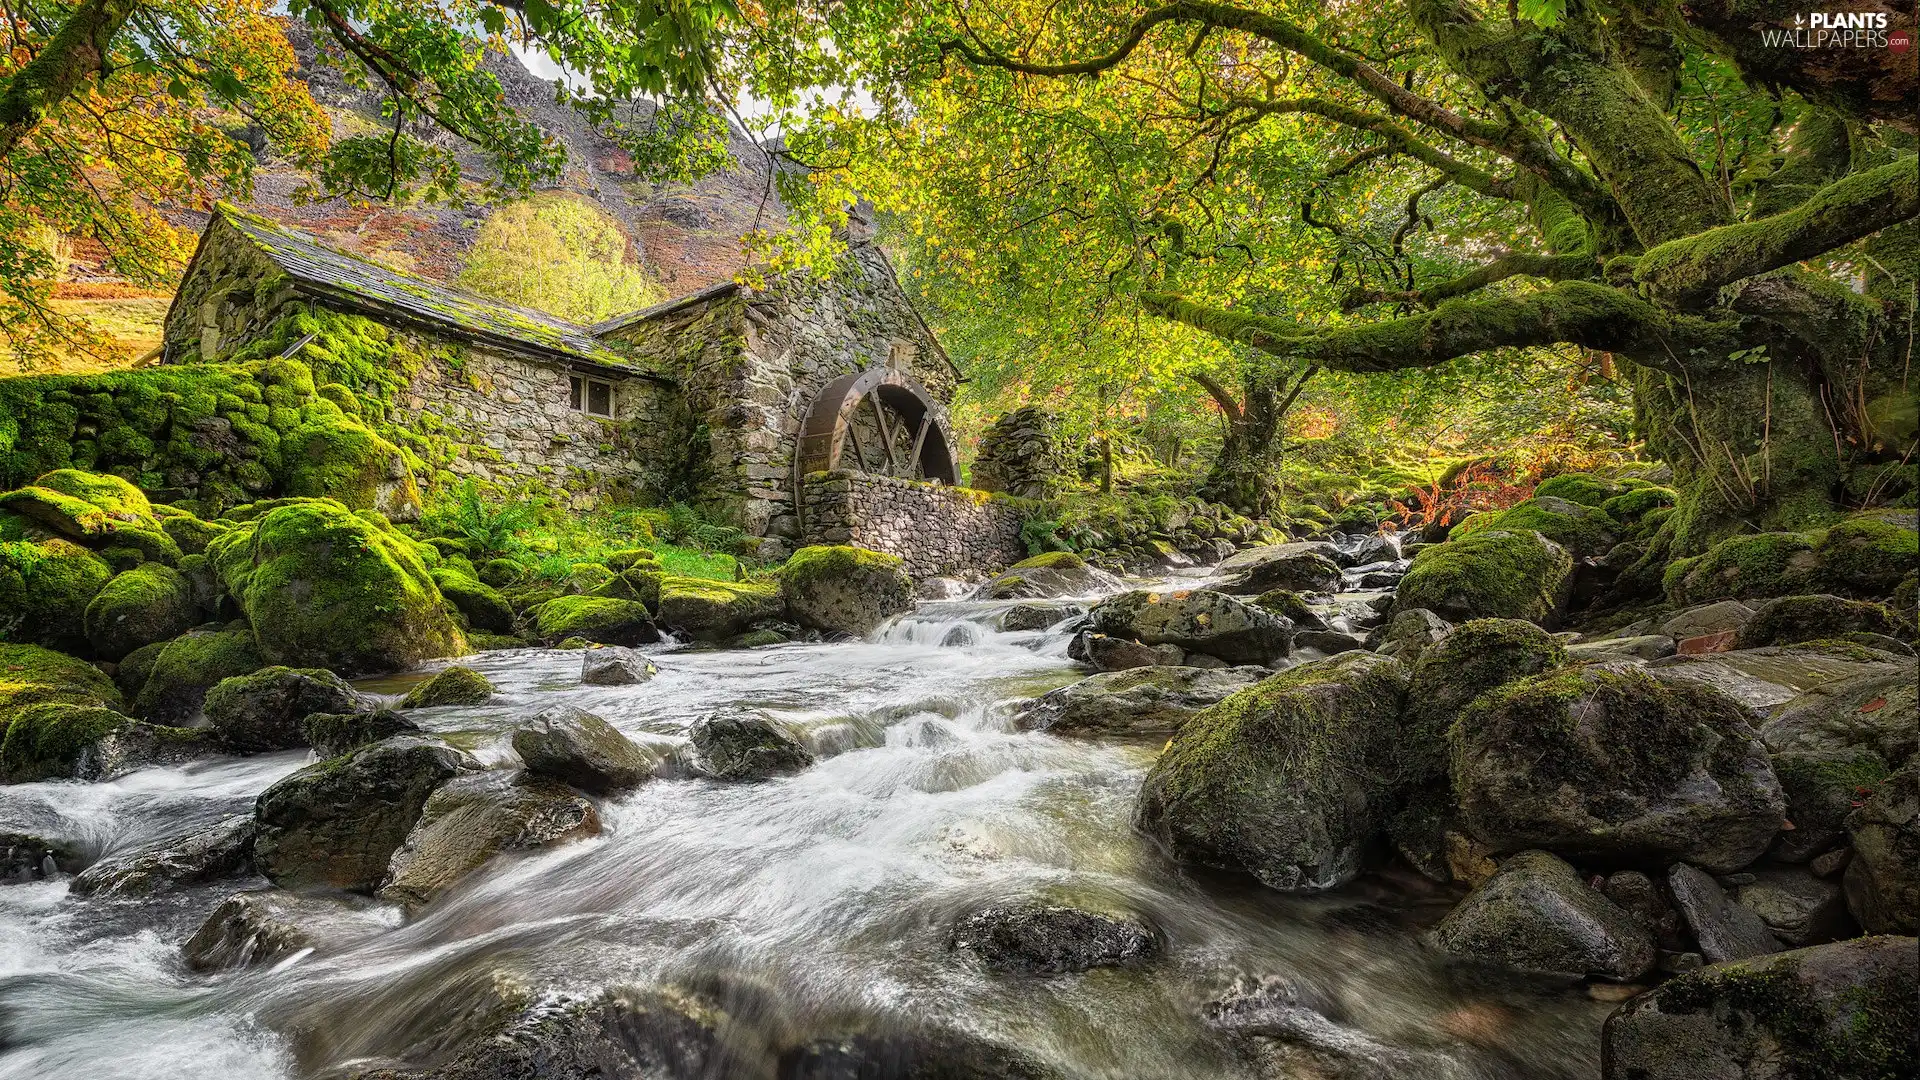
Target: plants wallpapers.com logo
point(1838, 30)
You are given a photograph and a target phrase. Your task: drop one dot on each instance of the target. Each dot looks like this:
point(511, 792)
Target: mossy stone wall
point(935, 530)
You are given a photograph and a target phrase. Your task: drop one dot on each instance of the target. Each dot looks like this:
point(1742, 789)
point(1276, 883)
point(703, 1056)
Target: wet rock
point(336, 824)
point(1148, 701)
point(334, 734)
point(58, 740)
point(1842, 1010)
point(456, 685)
point(1636, 894)
point(1408, 634)
point(1611, 766)
point(1876, 712)
point(1705, 619)
point(1418, 832)
point(1287, 780)
point(606, 620)
point(746, 744)
point(1045, 939)
point(267, 710)
point(25, 857)
point(1477, 656)
point(911, 1055)
point(1797, 908)
point(1285, 1033)
point(220, 850)
point(1353, 551)
point(578, 748)
point(471, 819)
point(1537, 914)
point(612, 665)
point(1197, 621)
point(1310, 566)
point(1789, 620)
point(1637, 647)
point(1725, 930)
point(1883, 880)
point(1293, 607)
point(1822, 789)
point(706, 610)
point(1766, 679)
point(187, 667)
point(260, 926)
point(1047, 576)
point(845, 590)
point(1104, 653)
point(1496, 574)
point(1037, 616)
point(1328, 642)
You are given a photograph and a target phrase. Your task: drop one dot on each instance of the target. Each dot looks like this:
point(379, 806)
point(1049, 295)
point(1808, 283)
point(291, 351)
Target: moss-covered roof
point(346, 279)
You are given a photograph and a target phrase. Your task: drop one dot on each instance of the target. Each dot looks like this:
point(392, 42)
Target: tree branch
point(1467, 176)
point(1220, 396)
point(75, 52)
point(1520, 264)
point(1572, 312)
point(1687, 272)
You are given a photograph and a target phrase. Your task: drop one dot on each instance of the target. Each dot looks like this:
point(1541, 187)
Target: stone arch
point(922, 449)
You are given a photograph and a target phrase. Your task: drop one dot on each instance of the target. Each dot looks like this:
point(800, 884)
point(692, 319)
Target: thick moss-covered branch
point(76, 52)
point(1689, 271)
point(1572, 312)
point(1519, 264)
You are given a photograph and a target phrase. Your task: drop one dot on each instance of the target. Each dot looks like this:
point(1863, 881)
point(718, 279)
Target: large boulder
point(844, 590)
point(1497, 574)
point(1050, 939)
point(187, 667)
point(267, 710)
point(1789, 620)
point(486, 610)
point(1848, 1009)
point(82, 505)
point(1823, 788)
point(1048, 576)
point(1473, 658)
point(1286, 780)
point(59, 740)
point(1883, 880)
point(31, 675)
point(714, 611)
point(45, 589)
point(260, 926)
point(219, 850)
point(1878, 711)
point(336, 824)
point(614, 665)
point(1199, 620)
point(334, 734)
point(578, 748)
point(1583, 530)
point(601, 619)
point(746, 744)
point(1768, 678)
point(456, 685)
point(324, 587)
point(1608, 765)
point(1796, 907)
point(151, 602)
point(1143, 701)
point(1868, 554)
point(1307, 566)
point(1537, 913)
point(1724, 929)
point(470, 819)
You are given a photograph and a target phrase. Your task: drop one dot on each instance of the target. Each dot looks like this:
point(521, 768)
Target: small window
point(591, 396)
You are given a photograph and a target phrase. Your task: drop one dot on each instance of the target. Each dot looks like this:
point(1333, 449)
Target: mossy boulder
point(1823, 788)
point(45, 588)
point(334, 734)
point(266, 710)
point(715, 610)
point(500, 573)
point(1585, 489)
point(599, 619)
point(31, 675)
point(470, 819)
point(636, 583)
point(1303, 566)
point(1537, 913)
point(1287, 780)
point(1790, 620)
point(1143, 701)
point(1475, 657)
point(1739, 567)
point(1583, 530)
point(1498, 574)
point(1197, 620)
point(337, 824)
point(1635, 504)
point(149, 603)
point(1867, 555)
point(331, 456)
point(323, 587)
point(56, 740)
point(844, 590)
point(82, 505)
point(456, 685)
point(190, 534)
point(628, 558)
point(578, 748)
point(189, 666)
point(744, 744)
point(485, 609)
point(1847, 1009)
point(1047, 576)
point(1611, 766)
point(1883, 880)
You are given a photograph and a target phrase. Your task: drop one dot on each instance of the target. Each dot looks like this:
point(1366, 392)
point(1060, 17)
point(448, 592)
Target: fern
point(489, 528)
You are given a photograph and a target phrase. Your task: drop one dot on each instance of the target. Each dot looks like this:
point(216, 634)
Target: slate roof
point(382, 291)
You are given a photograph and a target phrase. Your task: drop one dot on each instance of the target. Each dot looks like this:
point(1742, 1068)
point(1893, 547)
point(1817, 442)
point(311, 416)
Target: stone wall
point(940, 531)
point(1020, 454)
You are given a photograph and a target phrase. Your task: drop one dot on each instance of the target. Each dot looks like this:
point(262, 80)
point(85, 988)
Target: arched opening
point(880, 422)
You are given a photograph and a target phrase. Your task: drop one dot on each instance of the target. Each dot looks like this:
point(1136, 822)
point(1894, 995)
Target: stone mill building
point(810, 410)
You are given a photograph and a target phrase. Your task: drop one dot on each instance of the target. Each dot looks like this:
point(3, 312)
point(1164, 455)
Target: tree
point(1243, 475)
point(111, 110)
point(558, 254)
point(1435, 180)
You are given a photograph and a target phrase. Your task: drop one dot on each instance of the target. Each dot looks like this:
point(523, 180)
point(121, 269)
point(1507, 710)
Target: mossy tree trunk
point(1778, 393)
point(1245, 474)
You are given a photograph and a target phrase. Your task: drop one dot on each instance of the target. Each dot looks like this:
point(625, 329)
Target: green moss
point(821, 562)
point(1583, 488)
point(456, 685)
point(1637, 502)
point(53, 582)
point(46, 741)
point(1743, 567)
point(147, 604)
point(596, 618)
point(1474, 658)
point(716, 610)
point(1495, 574)
point(630, 557)
point(1865, 1031)
point(190, 665)
point(500, 573)
point(1287, 603)
point(1866, 556)
point(484, 608)
point(1791, 620)
point(1051, 560)
point(190, 534)
point(1583, 531)
point(31, 675)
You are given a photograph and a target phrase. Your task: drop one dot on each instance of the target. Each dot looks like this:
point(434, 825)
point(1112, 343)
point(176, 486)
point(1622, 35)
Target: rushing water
point(827, 894)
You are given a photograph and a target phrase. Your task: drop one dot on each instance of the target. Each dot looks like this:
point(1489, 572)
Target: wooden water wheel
point(879, 422)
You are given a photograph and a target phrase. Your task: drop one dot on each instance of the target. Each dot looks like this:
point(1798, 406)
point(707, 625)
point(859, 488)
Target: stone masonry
point(938, 530)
